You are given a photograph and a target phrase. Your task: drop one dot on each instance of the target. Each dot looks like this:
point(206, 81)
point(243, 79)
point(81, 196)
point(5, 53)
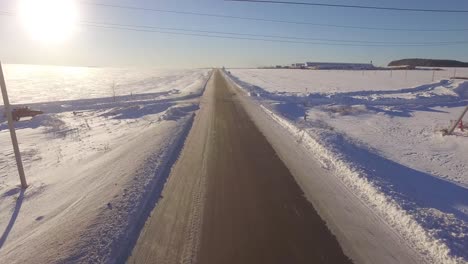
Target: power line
point(276, 36)
point(273, 20)
point(353, 6)
point(258, 37)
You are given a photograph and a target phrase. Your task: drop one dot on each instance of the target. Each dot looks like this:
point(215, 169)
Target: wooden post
point(433, 75)
point(11, 126)
point(113, 91)
point(450, 131)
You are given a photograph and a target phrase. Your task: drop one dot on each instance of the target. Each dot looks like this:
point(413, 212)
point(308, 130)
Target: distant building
point(299, 65)
point(339, 66)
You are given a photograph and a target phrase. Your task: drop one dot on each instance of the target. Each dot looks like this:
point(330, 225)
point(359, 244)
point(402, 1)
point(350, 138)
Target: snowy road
point(230, 199)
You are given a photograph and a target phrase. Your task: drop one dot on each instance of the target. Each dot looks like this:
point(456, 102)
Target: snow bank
point(324, 146)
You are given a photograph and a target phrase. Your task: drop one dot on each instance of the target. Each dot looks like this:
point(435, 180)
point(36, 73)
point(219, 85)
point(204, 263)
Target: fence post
point(11, 126)
point(450, 131)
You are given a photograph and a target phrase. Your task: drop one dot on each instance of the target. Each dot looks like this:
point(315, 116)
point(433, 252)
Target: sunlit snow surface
point(380, 131)
point(32, 84)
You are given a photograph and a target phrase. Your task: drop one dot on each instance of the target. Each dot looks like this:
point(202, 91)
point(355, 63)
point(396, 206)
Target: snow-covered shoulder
point(95, 163)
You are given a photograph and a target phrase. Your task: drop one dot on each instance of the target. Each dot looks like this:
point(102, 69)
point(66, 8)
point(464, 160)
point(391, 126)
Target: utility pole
point(11, 126)
point(450, 131)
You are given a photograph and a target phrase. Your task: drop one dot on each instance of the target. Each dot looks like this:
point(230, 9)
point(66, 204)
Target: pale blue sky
point(110, 47)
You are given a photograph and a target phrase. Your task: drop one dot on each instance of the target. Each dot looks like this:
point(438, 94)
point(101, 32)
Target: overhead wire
point(353, 6)
point(272, 20)
point(256, 37)
point(275, 36)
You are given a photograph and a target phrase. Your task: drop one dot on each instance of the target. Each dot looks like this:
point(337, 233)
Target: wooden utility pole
point(450, 131)
point(11, 126)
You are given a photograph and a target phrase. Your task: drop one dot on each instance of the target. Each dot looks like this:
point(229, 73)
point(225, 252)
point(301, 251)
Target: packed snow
point(380, 133)
point(95, 163)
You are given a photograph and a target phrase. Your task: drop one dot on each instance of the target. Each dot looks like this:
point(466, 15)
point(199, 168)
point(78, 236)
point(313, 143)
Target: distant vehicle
point(18, 113)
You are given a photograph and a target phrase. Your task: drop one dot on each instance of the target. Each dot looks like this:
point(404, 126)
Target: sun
point(49, 21)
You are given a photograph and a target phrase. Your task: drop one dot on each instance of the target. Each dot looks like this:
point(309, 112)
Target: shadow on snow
point(416, 192)
point(378, 101)
point(14, 215)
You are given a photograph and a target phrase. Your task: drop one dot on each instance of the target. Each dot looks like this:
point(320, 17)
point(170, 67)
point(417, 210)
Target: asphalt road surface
point(230, 199)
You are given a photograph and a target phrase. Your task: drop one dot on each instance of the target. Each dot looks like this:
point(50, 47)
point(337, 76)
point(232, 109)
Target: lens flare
point(49, 21)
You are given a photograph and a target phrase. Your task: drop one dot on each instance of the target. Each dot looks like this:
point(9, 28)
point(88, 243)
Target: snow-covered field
point(94, 165)
point(378, 131)
point(32, 84)
point(339, 81)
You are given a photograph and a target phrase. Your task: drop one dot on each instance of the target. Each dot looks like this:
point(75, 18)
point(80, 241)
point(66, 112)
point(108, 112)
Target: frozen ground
point(379, 132)
point(94, 166)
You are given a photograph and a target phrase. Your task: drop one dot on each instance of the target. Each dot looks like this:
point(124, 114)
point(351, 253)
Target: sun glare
point(49, 21)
